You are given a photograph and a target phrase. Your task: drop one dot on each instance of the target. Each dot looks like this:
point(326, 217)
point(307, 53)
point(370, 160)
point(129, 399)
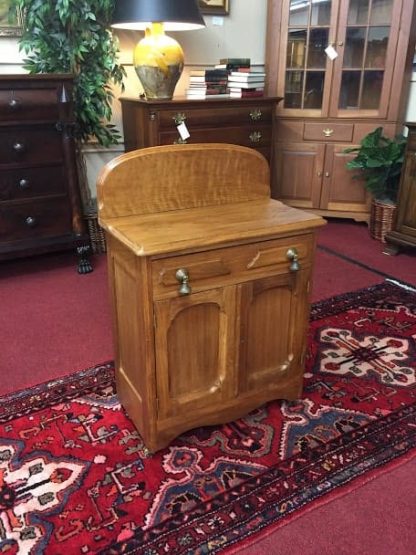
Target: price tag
point(331, 52)
point(183, 131)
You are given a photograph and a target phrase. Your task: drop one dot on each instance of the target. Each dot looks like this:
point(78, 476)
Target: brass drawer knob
point(293, 256)
point(183, 277)
point(13, 103)
point(255, 114)
point(18, 147)
point(24, 183)
point(31, 221)
point(179, 118)
point(255, 137)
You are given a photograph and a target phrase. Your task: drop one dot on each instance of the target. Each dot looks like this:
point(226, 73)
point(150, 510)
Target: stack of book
point(208, 83)
point(244, 84)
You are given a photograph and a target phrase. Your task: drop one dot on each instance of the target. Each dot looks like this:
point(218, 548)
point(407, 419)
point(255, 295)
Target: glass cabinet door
point(306, 74)
point(366, 43)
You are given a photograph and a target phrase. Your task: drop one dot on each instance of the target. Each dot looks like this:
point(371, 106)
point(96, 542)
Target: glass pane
point(293, 89)
point(372, 85)
point(378, 38)
point(358, 12)
point(321, 12)
point(350, 90)
point(314, 89)
point(296, 47)
point(381, 12)
point(318, 41)
point(354, 47)
point(299, 12)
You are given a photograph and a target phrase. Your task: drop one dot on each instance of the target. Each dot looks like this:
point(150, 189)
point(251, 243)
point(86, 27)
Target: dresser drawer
point(28, 183)
point(35, 219)
point(253, 136)
point(228, 266)
point(328, 131)
point(29, 104)
point(30, 145)
point(207, 117)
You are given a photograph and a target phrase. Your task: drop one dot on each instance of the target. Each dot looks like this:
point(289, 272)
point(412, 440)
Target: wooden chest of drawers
point(40, 207)
point(245, 122)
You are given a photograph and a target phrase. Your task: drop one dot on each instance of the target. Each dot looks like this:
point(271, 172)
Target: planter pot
point(381, 219)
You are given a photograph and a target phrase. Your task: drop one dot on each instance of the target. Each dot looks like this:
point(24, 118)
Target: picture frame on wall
point(10, 20)
point(214, 7)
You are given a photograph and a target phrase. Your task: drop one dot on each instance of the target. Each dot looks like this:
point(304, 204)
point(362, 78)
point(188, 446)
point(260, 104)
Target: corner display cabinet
point(333, 97)
point(210, 282)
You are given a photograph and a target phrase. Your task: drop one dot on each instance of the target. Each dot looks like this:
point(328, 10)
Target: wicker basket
point(96, 233)
point(381, 219)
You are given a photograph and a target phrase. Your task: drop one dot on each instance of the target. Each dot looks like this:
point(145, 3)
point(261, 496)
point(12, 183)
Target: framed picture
point(214, 7)
point(10, 20)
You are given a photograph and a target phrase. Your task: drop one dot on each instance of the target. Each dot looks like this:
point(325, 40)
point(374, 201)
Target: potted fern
point(379, 162)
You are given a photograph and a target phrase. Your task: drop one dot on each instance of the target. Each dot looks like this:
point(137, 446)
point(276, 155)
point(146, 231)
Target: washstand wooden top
point(181, 198)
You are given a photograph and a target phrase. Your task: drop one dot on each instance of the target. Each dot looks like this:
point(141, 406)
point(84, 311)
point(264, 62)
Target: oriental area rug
point(74, 478)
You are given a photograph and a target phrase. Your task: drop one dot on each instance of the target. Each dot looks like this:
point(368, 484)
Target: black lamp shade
point(177, 15)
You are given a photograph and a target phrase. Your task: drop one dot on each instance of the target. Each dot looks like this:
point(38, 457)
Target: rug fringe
point(402, 285)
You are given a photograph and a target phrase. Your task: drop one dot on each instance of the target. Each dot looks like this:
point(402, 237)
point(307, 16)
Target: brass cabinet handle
point(13, 103)
point(255, 137)
point(183, 277)
point(293, 256)
point(328, 132)
point(30, 221)
point(18, 147)
point(319, 174)
point(180, 141)
point(327, 174)
point(24, 183)
point(255, 114)
point(179, 118)
point(152, 116)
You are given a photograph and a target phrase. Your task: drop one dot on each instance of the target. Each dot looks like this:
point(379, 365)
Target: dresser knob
point(179, 118)
point(183, 277)
point(24, 183)
point(255, 114)
point(255, 137)
point(13, 103)
point(293, 256)
point(30, 221)
point(18, 147)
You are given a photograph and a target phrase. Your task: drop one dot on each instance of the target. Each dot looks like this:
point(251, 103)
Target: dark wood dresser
point(242, 121)
point(40, 206)
point(404, 232)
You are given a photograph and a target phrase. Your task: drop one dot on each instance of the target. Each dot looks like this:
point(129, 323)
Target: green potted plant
point(379, 162)
point(69, 36)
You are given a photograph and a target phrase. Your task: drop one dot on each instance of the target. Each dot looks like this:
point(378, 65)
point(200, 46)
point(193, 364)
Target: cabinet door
point(298, 177)
point(194, 343)
point(340, 191)
point(305, 71)
point(366, 43)
point(273, 321)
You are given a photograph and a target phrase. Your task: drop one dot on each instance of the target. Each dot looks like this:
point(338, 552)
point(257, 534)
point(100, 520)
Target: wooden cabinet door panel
point(299, 169)
point(340, 191)
point(195, 358)
point(272, 323)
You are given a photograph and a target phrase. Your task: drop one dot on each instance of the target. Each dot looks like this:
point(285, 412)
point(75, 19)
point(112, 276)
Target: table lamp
point(158, 59)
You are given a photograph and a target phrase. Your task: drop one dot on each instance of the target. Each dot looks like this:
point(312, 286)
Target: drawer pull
point(24, 183)
point(293, 256)
point(30, 221)
point(180, 141)
point(179, 118)
point(18, 147)
point(255, 114)
point(328, 132)
point(13, 103)
point(183, 277)
point(255, 137)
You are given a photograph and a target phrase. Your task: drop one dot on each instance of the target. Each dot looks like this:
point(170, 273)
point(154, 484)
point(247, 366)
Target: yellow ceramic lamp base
point(158, 61)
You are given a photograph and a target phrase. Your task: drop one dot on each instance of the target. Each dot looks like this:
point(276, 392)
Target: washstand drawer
point(206, 117)
point(28, 183)
point(30, 145)
point(328, 131)
point(252, 136)
point(35, 219)
point(29, 104)
point(230, 265)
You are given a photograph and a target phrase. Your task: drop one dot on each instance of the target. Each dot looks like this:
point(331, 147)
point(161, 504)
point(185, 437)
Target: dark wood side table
point(242, 121)
point(40, 205)
point(404, 231)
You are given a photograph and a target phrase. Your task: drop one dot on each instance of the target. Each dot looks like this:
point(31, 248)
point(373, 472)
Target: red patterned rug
point(74, 480)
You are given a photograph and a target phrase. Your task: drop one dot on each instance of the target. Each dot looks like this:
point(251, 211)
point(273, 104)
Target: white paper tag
point(331, 52)
point(183, 131)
